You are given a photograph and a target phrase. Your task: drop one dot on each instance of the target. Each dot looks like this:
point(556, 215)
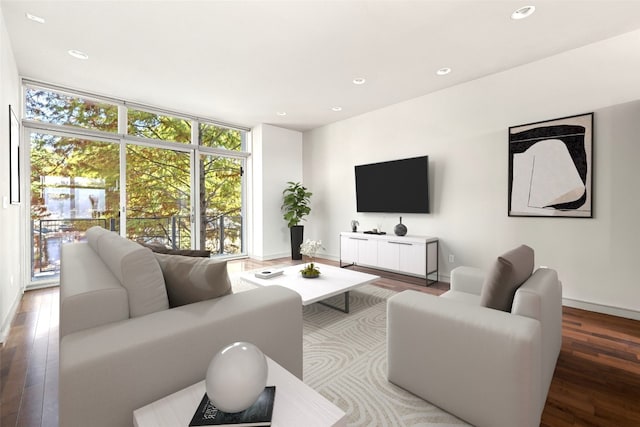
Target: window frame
point(123, 139)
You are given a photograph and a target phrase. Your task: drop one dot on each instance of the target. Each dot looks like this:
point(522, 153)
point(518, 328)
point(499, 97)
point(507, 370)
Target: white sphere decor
point(236, 376)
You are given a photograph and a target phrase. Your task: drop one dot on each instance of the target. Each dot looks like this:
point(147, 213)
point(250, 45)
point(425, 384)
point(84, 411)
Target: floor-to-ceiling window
point(220, 204)
point(220, 183)
point(153, 176)
point(159, 196)
point(74, 186)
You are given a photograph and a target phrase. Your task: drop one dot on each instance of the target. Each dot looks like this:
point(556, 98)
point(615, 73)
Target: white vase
point(236, 376)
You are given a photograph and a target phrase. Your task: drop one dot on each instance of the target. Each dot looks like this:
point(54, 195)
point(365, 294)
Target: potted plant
point(309, 248)
point(295, 206)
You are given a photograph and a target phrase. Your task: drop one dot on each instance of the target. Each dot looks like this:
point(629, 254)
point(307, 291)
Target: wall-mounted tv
point(397, 186)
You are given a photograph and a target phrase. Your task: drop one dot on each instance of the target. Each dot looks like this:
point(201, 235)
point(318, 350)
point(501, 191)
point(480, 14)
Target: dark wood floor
point(596, 383)
point(597, 377)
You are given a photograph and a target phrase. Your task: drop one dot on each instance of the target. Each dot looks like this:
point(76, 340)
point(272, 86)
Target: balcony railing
point(223, 236)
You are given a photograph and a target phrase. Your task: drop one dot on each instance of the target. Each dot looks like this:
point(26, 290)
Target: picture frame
point(14, 157)
point(551, 168)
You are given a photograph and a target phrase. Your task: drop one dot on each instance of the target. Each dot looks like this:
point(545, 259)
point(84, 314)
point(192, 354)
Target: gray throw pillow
point(509, 271)
point(161, 249)
point(190, 280)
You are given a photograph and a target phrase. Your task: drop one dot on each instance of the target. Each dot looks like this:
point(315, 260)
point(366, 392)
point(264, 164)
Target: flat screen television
point(397, 186)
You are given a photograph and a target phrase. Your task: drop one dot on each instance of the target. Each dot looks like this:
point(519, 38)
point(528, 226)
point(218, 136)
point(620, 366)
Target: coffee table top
point(296, 404)
point(332, 281)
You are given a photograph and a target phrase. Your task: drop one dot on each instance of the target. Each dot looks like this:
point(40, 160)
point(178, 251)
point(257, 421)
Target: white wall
point(276, 159)
point(11, 279)
point(464, 131)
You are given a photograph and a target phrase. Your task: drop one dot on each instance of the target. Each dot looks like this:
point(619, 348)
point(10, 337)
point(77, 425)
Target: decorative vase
point(400, 229)
point(236, 376)
point(297, 234)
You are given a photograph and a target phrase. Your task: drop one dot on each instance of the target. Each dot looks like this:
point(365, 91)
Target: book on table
point(257, 415)
point(268, 274)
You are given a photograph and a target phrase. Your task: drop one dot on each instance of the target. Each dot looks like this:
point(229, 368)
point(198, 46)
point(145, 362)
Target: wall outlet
point(452, 258)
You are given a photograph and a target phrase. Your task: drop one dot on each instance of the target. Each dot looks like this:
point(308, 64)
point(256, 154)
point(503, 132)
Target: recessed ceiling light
point(281, 113)
point(34, 18)
point(336, 108)
point(523, 12)
point(359, 81)
point(78, 54)
point(443, 71)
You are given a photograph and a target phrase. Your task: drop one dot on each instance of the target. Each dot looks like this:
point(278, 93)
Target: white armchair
point(488, 367)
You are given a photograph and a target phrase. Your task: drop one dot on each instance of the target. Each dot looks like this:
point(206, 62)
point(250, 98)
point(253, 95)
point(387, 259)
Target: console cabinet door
point(348, 249)
point(413, 258)
point(388, 255)
point(368, 252)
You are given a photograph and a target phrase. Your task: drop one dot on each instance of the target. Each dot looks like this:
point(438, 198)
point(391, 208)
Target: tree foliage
point(158, 180)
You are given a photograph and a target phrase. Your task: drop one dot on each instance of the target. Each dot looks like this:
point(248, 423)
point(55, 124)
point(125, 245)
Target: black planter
point(297, 232)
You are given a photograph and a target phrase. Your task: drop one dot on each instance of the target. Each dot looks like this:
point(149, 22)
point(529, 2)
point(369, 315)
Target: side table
point(296, 404)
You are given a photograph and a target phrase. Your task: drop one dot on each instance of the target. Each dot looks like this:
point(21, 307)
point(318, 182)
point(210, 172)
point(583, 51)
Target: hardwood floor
point(29, 363)
point(596, 383)
point(597, 377)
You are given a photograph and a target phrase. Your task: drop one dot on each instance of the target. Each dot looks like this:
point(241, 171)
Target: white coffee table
point(296, 404)
point(332, 281)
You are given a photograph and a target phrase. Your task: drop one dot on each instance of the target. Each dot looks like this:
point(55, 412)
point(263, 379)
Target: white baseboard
point(600, 308)
point(270, 257)
point(288, 255)
point(6, 326)
point(443, 277)
point(43, 285)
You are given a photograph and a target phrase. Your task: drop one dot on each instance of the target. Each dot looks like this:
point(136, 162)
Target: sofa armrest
point(479, 364)
point(467, 279)
point(90, 295)
point(540, 297)
point(109, 371)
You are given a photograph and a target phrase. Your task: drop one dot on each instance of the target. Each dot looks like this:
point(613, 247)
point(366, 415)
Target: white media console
point(412, 255)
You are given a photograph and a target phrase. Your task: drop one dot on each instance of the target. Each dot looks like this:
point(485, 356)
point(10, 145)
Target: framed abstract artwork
point(14, 157)
point(551, 168)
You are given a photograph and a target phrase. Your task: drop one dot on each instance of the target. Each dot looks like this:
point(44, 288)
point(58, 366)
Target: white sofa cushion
point(138, 271)
point(467, 279)
point(93, 235)
point(190, 279)
point(462, 297)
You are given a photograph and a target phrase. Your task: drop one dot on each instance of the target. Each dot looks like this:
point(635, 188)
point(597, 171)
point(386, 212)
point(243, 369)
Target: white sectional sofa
point(122, 347)
point(489, 367)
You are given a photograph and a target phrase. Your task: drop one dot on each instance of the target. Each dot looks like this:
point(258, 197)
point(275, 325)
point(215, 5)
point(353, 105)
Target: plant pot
point(310, 275)
point(297, 233)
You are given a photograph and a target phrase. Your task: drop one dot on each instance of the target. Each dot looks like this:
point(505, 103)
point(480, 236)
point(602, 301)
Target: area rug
point(345, 358)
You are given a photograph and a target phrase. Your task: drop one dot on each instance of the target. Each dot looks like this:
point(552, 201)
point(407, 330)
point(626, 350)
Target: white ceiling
point(241, 62)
